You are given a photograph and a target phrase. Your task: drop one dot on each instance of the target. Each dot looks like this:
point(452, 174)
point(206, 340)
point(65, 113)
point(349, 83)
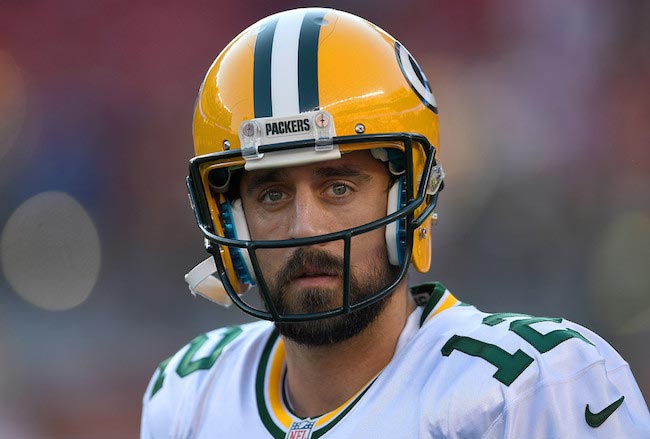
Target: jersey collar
point(434, 298)
point(272, 406)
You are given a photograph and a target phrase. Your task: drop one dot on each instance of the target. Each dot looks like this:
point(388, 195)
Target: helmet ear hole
point(219, 180)
point(396, 230)
point(235, 227)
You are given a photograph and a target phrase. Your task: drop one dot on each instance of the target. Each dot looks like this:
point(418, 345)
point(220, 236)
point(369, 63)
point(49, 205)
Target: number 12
point(510, 366)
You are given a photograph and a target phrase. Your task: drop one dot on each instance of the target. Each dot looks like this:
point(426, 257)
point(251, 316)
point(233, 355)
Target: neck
point(322, 378)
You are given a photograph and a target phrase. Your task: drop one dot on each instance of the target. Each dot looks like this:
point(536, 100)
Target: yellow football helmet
point(303, 86)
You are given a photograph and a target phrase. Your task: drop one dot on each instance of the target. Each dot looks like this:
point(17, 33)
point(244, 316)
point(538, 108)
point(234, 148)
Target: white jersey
point(456, 373)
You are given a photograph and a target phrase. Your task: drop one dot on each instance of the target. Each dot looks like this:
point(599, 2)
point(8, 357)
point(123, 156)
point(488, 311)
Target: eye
point(339, 189)
point(271, 196)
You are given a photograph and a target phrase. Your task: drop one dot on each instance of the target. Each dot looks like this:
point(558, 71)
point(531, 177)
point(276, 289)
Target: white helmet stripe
point(284, 65)
point(285, 78)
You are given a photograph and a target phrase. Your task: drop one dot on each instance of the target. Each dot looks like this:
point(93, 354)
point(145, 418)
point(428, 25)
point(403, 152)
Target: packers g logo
point(415, 77)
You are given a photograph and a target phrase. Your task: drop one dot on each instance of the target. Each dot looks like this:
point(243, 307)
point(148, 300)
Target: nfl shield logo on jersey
point(300, 429)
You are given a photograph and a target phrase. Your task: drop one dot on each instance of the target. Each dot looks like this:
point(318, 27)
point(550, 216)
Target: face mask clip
point(436, 180)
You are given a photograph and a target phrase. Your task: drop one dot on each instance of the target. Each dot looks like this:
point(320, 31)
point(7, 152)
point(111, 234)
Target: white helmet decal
point(415, 77)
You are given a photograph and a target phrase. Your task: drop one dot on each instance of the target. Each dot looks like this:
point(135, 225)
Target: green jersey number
point(510, 366)
point(188, 364)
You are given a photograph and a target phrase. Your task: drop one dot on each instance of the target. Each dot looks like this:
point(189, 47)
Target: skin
point(312, 200)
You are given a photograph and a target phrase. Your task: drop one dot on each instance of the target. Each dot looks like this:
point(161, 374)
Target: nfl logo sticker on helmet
point(415, 77)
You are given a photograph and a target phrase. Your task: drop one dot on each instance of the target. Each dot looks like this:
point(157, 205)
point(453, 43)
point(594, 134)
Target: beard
point(330, 330)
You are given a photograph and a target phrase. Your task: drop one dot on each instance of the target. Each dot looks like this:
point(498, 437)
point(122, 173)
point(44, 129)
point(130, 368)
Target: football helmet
point(298, 87)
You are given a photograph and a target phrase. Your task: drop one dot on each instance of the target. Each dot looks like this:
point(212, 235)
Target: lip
point(315, 281)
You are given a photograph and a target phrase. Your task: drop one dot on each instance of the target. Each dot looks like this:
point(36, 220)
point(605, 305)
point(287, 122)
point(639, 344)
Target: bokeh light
point(50, 251)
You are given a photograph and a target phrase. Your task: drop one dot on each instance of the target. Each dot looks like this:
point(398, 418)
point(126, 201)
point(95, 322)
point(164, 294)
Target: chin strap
point(201, 281)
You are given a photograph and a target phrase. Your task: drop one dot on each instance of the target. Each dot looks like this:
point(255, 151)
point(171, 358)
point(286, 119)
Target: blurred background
point(544, 110)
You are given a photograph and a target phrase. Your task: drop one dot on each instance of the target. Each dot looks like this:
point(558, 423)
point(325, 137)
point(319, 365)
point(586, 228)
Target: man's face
point(313, 200)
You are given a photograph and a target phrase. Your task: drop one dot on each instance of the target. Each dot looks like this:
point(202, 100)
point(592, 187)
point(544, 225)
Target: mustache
point(303, 259)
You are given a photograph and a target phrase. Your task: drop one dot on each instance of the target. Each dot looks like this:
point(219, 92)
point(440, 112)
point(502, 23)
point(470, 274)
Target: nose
point(308, 217)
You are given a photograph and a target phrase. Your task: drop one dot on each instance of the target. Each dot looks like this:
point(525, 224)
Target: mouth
point(315, 277)
point(307, 272)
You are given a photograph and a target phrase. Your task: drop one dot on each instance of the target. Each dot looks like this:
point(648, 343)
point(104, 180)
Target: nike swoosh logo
point(596, 419)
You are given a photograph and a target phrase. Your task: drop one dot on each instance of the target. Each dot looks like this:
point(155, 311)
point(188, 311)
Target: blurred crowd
point(544, 111)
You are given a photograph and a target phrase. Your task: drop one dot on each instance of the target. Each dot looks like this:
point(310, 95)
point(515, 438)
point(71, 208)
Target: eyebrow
point(341, 171)
point(278, 175)
point(261, 178)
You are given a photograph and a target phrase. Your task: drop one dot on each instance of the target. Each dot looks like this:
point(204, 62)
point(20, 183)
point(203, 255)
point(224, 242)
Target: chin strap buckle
point(202, 281)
